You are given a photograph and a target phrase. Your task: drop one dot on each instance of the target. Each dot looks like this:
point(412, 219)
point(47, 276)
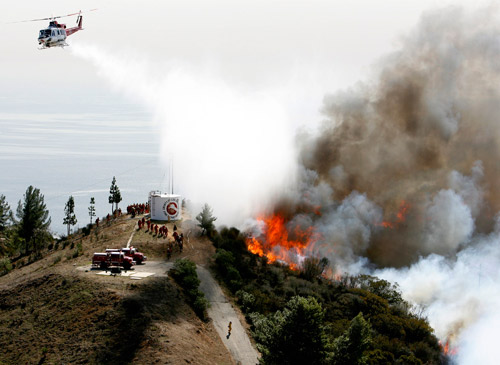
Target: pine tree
point(92, 209)
point(350, 347)
point(118, 197)
point(114, 195)
point(206, 219)
point(5, 213)
point(69, 211)
point(34, 221)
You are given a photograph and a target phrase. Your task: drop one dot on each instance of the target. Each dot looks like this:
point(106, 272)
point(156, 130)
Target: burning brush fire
point(288, 243)
point(277, 244)
point(404, 207)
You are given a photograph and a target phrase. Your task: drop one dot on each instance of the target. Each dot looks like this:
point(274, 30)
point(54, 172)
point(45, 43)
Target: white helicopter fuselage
point(52, 37)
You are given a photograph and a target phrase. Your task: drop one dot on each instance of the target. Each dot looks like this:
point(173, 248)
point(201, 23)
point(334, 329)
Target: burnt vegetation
point(359, 319)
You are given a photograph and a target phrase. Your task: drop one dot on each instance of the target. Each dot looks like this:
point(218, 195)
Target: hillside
point(54, 311)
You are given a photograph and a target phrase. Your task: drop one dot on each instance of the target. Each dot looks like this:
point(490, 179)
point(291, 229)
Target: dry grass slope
point(51, 313)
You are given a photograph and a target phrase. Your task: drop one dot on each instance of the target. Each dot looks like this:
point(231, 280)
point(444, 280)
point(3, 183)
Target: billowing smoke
point(229, 147)
point(400, 180)
point(406, 165)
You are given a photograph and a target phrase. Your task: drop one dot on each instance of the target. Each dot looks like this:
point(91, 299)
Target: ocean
point(65, 153)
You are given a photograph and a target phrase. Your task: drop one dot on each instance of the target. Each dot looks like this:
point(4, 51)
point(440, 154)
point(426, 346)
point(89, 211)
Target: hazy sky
point(322, 44)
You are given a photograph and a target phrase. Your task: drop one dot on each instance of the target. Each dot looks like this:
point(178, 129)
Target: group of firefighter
point(136, 209)
point(117, 213)
point(162, 232)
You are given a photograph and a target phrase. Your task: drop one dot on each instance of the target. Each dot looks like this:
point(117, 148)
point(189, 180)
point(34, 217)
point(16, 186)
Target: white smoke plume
point(461, 296)
point(230, 148)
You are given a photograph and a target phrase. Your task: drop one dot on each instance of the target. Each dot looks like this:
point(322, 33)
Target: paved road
point(222, 313)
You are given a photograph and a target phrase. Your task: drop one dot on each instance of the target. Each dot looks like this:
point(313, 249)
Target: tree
point(206, 220)
point(295, 335)
point(114, 195)
point(34, 220)
point(5, 213)
point(313, 267)
point(92, 209)
point(350, 347)
point(69, 211)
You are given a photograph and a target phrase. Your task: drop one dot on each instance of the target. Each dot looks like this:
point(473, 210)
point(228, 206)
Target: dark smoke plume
point(423, 135)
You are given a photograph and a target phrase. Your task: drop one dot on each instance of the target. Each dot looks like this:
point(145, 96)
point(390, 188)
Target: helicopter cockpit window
point(45, 33)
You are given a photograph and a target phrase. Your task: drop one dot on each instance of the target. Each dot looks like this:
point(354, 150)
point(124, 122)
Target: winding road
point(221, 312)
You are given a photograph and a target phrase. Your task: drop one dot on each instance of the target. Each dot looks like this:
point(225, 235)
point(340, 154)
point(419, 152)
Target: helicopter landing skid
point(55, 45)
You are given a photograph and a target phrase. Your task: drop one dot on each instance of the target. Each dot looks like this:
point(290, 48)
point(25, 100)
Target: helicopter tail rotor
point(79, 19)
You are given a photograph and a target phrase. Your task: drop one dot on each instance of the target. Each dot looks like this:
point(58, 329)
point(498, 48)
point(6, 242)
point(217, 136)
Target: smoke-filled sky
point(361, 110)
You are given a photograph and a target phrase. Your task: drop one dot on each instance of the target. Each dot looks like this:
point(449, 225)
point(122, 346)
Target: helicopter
point(56, 33)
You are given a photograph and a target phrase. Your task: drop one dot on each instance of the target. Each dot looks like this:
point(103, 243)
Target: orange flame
point(275, 242)
point(447, 349)
point(404, 207)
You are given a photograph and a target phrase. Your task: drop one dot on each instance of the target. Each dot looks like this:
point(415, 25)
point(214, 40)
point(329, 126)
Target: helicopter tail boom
point(70, 31)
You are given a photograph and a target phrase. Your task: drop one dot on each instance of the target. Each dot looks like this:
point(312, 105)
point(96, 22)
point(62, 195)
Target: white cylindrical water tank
point(164, 207)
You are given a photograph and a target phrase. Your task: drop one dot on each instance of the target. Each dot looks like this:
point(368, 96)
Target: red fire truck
point(109, 260)
point(138, 257)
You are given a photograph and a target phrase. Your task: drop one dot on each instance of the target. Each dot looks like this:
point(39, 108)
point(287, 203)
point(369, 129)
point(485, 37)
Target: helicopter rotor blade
point(54, 17)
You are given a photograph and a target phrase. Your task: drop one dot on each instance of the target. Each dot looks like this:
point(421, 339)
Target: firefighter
point(97, 222)
point(229, 328)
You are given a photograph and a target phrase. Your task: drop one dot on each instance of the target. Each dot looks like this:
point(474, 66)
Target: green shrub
point(233, 279)
point(224, 259)
point(5, 265)
point(246, 300)
point(184, 273)
point(200, 305)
